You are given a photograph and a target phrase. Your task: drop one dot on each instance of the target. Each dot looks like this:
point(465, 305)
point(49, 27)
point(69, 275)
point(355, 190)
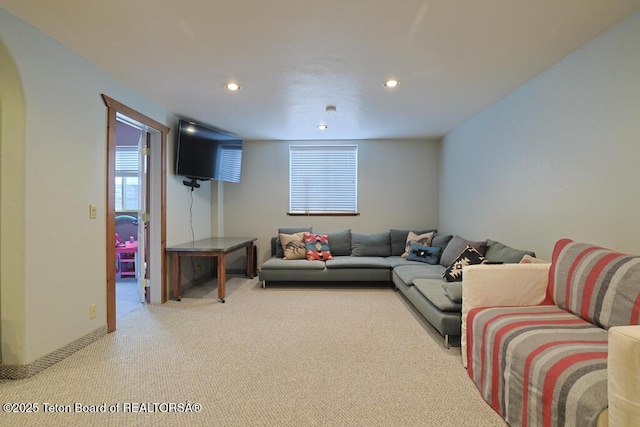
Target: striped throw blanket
point(538, 366)
point(547, 365)
point(597, 284)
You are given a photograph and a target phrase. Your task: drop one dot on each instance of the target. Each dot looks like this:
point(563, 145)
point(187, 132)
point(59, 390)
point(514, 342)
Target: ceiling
point(293, 58)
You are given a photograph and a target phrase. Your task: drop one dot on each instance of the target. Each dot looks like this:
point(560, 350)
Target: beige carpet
point(281, 356)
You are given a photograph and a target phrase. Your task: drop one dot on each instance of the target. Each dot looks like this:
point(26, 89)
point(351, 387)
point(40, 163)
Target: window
point(229, 162)
point(127, 184)
point(323, 179)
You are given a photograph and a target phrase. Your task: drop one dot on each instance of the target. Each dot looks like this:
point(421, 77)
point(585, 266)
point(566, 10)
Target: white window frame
point(323, 180)
point(127, 168)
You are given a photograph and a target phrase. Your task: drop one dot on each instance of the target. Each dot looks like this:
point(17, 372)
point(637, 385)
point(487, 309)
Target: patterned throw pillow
point(428, 254)
point(293, 246)
point(317, 247)
point(413, 239)
point(469, 256)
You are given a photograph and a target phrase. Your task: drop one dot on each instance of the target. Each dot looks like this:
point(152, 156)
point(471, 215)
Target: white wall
point(397, 188)
point(557, 158)
point(64, 172)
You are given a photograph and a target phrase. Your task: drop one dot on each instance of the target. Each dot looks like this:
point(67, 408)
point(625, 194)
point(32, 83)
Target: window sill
point(323, 213)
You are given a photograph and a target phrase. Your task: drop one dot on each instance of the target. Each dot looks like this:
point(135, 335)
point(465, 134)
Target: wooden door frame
point(113, 108)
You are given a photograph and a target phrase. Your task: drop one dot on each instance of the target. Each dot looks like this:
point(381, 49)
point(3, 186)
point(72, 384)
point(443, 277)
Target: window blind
point(229, 162)
point(323, 179)
point(126, 160)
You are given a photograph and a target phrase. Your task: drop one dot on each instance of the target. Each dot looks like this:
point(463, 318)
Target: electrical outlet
point(92, 311)
point(93, 211)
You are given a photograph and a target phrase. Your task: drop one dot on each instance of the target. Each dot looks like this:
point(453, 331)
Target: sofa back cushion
point(455, 247)
point(370, 244)
point(340, 242)
point(499, 252)
point(597, 284)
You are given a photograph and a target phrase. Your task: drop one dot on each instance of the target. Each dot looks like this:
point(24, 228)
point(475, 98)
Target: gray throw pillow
point(370, 244)
point(499, 252)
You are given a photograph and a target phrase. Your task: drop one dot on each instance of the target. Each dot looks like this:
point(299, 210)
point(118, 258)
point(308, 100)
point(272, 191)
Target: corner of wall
point(12, 211)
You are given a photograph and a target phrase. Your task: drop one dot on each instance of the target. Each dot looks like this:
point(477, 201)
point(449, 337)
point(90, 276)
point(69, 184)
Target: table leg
point(222, 277)
point(175, 275)
point(250, 272)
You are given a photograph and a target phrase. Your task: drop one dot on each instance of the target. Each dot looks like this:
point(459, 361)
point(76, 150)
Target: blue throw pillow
point(428, 254)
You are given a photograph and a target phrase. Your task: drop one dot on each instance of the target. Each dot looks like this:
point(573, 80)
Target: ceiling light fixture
point(322, 126)
point(391, 84)
point(330, 109)
point(233, 87)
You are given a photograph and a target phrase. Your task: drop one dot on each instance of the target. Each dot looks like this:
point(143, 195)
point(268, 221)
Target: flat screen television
point(206, 153)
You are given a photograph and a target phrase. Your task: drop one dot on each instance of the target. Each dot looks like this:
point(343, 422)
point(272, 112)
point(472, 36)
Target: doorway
point(132, 196)
point(149, 263)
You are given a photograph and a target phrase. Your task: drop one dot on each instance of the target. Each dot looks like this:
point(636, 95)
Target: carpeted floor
point(281, 356)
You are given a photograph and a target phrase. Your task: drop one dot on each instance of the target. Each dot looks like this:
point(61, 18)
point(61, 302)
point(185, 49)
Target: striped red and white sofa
point(546, 343)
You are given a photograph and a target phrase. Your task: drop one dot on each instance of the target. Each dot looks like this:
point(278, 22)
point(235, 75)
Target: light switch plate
point(93, 211)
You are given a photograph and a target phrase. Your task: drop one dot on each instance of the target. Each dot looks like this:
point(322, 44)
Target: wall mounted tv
point(206, 153)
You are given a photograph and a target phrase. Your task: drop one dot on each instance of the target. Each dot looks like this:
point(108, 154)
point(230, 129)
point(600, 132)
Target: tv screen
point(206, 153)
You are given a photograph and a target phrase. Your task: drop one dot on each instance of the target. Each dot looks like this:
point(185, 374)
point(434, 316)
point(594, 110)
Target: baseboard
point(237, 271)
point(16, 372)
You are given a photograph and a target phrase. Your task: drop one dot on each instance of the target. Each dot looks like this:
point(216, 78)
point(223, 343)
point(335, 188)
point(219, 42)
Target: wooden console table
point(216, 248)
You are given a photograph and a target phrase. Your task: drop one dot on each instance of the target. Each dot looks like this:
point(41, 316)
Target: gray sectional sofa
point(376, 257)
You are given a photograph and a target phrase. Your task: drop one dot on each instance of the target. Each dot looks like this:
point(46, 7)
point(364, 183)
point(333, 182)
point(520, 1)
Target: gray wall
point(45, 191)
point(557, 158)
point(397, 188)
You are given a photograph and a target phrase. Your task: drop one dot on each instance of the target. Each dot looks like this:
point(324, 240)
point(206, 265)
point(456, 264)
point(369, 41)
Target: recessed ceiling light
point(322, 126)
point(233, 87)
point(391, 84)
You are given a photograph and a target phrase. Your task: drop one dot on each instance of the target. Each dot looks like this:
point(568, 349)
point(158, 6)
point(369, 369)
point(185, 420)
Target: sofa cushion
point(597, 284)
point(538, 363)
point(399, 239)
point(455, 247)
point(428, 254)
point(418, 270)
point(279, 252)
point(340, 242)
point(395, 261)
point(317, 247)
point(358, 262)
point(293, 246)
point(453, 291)
point(469, 256)
point(433, 291)
point(499, 252)
point(415, 239)
point(275, 263)
point(370, 244)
